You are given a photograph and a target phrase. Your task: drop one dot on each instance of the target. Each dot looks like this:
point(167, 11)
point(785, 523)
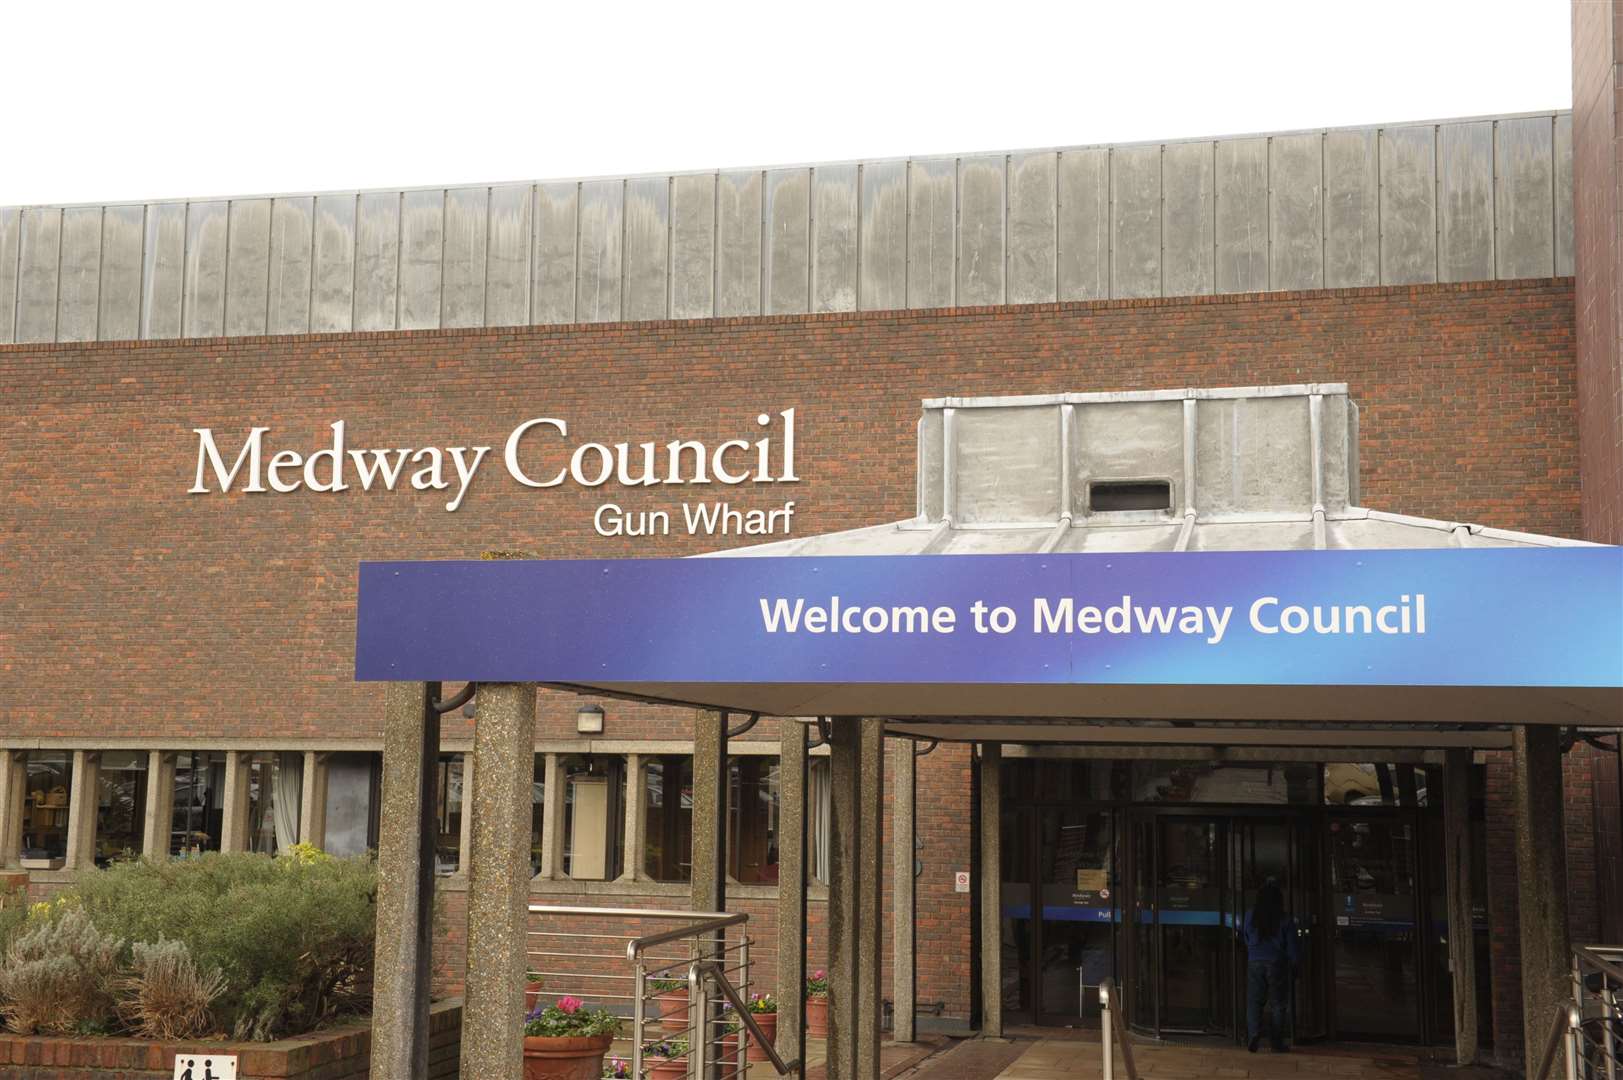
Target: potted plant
point(617, 1069)
point(666, 1059)
point(764, 1008)
point(567, 1041)
point(729, 1040)
point(817, 1004)
point(532, 991)
point(672, 995)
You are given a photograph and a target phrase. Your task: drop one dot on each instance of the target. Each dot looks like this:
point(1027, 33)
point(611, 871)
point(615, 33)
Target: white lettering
point(510, 452)
point(208, 453)
point(432, 474)
point(465, 470)
point(336, 454)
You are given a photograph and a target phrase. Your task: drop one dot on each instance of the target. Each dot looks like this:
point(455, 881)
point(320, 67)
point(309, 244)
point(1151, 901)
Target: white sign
point(960, 881)
point(204, 1065)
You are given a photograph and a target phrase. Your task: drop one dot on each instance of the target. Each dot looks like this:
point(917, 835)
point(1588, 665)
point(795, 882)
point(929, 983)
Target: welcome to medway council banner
point(1535, 617)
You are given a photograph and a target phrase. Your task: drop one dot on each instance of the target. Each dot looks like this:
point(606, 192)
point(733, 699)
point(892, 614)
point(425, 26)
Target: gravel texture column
point(160, 811)
point(904, 982)
point(991, 862)
point(636, 817)
point(845, 871)
point(709, 878)
point(1541, 875)
point(870, 899)
point(791, 989)
point(407, 825)
point(82, 810)
point(13, 786)
point(1457, 873)
point(313, 800)
point(498, 879)
point(234, 819)
point(552, 819)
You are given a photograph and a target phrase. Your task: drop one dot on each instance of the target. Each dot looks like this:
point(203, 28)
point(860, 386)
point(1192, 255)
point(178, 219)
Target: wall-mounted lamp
point(589, 720)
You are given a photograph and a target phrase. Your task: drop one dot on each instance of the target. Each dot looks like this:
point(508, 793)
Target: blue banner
point(1535, 617)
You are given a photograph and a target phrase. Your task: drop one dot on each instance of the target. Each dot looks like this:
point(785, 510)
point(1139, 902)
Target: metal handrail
point(713, 971)
point(1112, 1031)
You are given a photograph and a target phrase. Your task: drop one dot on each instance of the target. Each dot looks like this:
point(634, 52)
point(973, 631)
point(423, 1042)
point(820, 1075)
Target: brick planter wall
point(343, 1053)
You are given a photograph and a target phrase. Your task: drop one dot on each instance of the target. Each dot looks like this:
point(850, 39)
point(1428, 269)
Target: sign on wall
point(205, 1065)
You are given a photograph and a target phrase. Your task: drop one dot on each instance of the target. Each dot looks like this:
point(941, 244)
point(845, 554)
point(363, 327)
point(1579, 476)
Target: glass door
point(1374, 940)
point(1182, 947)
point(1281, 850)
point(1077, 927)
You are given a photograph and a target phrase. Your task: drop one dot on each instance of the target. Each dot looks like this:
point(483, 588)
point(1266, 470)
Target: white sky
point(132, 101)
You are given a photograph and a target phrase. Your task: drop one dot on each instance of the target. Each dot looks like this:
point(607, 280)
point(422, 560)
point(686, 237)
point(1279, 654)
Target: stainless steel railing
point(1589, 1029)
point(1113, 1033)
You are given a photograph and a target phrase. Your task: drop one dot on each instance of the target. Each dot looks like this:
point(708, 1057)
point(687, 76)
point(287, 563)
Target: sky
point(134, 101)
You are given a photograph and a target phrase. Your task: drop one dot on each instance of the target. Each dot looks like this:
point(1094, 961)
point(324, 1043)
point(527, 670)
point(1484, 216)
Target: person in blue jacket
point(1270, 947)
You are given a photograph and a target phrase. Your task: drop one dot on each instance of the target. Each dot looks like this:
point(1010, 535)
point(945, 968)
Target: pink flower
point(569, 1005)
point(819, 974)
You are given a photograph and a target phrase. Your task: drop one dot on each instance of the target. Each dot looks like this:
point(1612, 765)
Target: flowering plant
point(669, 1049)
point(817, 984)
point(666, 986)
point(763, 1003)
point(617, 1069)
point(569, 1018)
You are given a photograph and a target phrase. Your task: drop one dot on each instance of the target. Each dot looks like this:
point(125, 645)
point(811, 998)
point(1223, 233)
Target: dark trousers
point(1266, 984)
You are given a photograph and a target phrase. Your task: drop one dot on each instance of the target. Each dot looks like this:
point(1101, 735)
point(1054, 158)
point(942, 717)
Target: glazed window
point(594, 816)
point(819, 819)
point(198, 817)
point(121, 805)
point(752, 825)
point(45, 808)
point(1106, 496)
point(274, 782)
point(448, 843)
point(668, 819)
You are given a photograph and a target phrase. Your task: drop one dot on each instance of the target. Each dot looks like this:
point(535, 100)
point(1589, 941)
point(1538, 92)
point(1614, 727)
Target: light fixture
point(589, 720)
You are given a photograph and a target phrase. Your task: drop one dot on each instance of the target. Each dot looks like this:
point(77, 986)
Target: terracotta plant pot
point(817, 1016)
point(768, 1023)
point(565, 1059)
point(532, 996)
point(664, 1068)
point(673, 1010)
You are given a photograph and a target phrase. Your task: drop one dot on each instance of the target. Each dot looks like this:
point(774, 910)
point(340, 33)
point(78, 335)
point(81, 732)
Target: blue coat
point(1271, 950)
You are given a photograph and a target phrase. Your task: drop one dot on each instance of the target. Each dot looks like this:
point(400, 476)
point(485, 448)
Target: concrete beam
point(991, 885)
point(234, 817)
point(1457, 873)
point(464, 839)
point(407, 816)
point(709, 877)
point(791, 990)
point(13, 788)
point(1541, 874)
point(636, 822)
point(903, 890)
point(313, 800)
point(498, 878)
point(82, 810)
point(870, 903)
point(552, 819)
point(844, 933)
point(160, 804)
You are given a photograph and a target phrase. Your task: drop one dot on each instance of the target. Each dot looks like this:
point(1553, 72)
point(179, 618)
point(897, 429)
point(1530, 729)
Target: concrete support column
point(903, 891)
point(160, 812)
point(709, 880)
point(791, 990)
point(870, 892)
point(408, 823)
point(82, 800)
point(498, 879)
point(552, 820)
point(991, 885)
point(1457, 872)
point(1541, 873)
point(234, 819)
point(13, 786)
point(464, 837)
point(636, 819)
point(313, 800)
point(845, 871)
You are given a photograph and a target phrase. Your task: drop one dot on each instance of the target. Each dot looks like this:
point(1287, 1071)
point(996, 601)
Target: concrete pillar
point(1457, 872)
point(709, 880)
point(870, 892)
point(1541, 875)
point(845, 870)
point(464, 836)
point(903, 802)
point(82, 799)
point(234, 818)
point(13, 787)
point(160, 805)
point(991, 886)
point(791, 989)
point(407, 829)
point(498, 879)
point(552, 820)
point(636, 820)
point(313, 800)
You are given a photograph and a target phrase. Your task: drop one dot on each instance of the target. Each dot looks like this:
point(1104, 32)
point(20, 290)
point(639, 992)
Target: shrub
point(57, 976)
point(13, 914)
point(293, 936)
point(167, 997)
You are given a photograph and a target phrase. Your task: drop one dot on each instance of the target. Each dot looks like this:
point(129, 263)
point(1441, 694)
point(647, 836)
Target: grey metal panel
point(37, 268)
point(422, 259)
point(208, 225)
point(1408, 205)
point(738, 243)
point(1465, 183)
point(163, 270)
point(333, 292)
point(247, 270)
point(292, 237)
point(120, 300)
point(1563, 194)
point(377, 260)
point(1242, 215)
point(693, 246)
point(557, 242)
point(788, 241)
point(602, 234)
point(1082, 255)
point(1524, 198)
point(1187, 251)
point(1135, 221)
point(648, 223)
point(79, 281)
point(834, 243)
point(882, 277)
point(467, 225)
point(981, 227)
point(1352, 209)
point(1033, 228)
point(10, 227)
point(1296, 212)
point(932, 208)
point(507, 260)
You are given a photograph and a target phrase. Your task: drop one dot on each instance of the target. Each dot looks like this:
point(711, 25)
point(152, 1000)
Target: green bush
point(13, 914)
point(293, 936)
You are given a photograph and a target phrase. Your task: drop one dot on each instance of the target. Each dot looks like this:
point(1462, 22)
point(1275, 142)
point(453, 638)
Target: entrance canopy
point(1080, 568)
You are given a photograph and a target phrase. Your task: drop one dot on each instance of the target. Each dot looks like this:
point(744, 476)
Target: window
point(199, 806)
point(1224, 782)
point(45, 806)
point(668, 819)
point(594, 816)
point(353, 782)
point(752, 825)
point(819, 818)
point(121, 805)
point(538, 803)
point(448, 786)
point(274, 782)
point(1105, 496)
point(1363, 784)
